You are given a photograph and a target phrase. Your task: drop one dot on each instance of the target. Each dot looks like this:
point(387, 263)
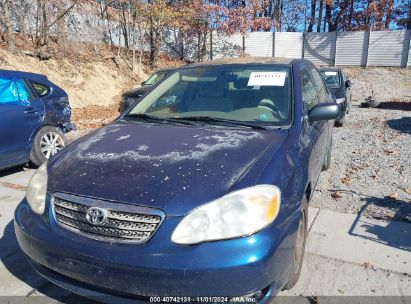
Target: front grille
point(119, 226)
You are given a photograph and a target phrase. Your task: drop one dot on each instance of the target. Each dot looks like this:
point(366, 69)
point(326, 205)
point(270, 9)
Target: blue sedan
point(34, 115)
point(199, 192)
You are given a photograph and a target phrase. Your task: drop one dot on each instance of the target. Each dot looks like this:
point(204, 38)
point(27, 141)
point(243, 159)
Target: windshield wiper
point(150, 118)
point(222, 121)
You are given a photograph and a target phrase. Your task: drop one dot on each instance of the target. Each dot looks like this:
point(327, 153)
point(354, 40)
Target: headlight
point(36, 191)
point(236, 214)
point(340, 100)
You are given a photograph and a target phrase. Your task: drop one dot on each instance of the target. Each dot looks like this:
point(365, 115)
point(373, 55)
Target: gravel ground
point(371, 164)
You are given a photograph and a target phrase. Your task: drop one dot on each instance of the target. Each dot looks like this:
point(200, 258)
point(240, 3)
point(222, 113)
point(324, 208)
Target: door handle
point(30, 110)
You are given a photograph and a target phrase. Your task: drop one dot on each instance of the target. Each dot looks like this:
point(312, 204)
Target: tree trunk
point(61, 26)
point(211, 44)
point(328, 17)
point(320, 15)
point(152, 46)
point(22, 21)
point(278, 14)
point(7, 24)
point(125, 29)
point(350, 15)
point(388, 16)
point(198, 45)
point(312, 18)
point(409, 18)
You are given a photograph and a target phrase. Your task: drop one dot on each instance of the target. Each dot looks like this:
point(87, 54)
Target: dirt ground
point(384, 84)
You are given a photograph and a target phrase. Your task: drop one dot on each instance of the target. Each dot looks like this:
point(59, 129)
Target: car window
point(309, 93)
point(41, 89)
point(252, 93)
point(155, 78)
point(320, 86)
point(13, 90)
point(332, 79)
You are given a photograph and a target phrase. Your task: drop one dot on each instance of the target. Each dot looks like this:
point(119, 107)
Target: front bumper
point(157, 268)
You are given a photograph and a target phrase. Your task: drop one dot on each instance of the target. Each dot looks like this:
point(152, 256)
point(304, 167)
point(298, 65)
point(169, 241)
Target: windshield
point(156, 77)
point(332, 79)
point(243, 93)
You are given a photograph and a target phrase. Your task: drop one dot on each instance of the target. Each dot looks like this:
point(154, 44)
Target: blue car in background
point(197, 193)
point(34, 115)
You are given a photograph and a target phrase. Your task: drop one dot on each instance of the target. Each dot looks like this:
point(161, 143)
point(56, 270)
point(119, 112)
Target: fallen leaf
point(367, 264)
point(346, 180)
point(390, 151)
point(340, 290)
point(407, 190)
point(336, 194)
point(394, 196)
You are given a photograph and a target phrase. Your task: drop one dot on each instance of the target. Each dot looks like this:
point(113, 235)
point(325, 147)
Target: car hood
point(135, 93)
point(169, 167)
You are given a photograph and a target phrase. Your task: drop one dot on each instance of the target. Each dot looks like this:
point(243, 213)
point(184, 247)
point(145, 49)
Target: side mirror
point(143, 83)
point(348, 83)
point(324, 111)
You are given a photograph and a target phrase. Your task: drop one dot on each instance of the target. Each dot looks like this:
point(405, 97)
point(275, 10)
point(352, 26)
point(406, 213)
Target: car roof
point(23, 74)
point(166, 70)
point(247, 60)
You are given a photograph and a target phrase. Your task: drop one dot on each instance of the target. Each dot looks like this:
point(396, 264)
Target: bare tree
point(6, 20)
point(312, 18)
point(320, 15)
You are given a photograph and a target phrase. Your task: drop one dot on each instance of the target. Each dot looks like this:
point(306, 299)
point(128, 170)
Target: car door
point(21, 113)
point(311, 130)
point(325, 127)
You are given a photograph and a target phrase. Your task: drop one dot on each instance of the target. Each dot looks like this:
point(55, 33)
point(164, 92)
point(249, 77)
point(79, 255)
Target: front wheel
point(47, 142)
point(299, 250)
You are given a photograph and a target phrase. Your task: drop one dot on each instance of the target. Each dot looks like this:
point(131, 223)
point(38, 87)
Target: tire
point(299, 249)
point(327, 163)
point(47, 142)
point(339, 123)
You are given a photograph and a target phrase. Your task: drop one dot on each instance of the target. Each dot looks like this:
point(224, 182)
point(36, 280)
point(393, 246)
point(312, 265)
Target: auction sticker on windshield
point(267, 79)
point(331, 73)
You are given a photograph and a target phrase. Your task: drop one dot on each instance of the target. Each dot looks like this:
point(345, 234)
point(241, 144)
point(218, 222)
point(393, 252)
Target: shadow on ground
point(396, 105)
point(392, 233)
point(402, 125)
point(14, 170)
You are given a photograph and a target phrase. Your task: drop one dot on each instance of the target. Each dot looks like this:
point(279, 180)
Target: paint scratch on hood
point(205, 145)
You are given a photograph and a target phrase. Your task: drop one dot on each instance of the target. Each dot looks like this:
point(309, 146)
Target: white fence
point(385, 48)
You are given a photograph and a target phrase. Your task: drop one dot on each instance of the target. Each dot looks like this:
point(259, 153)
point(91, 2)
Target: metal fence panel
point(352, 48)
point(288, 44)
point(259, 44)
point(387, 48)
point(319, 48)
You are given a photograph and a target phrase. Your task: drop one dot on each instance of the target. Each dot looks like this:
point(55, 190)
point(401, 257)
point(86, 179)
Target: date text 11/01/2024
point(202, 300)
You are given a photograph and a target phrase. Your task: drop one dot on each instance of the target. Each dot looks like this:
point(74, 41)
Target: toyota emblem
point(96, 216)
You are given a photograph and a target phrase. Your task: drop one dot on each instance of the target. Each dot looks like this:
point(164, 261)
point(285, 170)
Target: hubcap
point(50, 144)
